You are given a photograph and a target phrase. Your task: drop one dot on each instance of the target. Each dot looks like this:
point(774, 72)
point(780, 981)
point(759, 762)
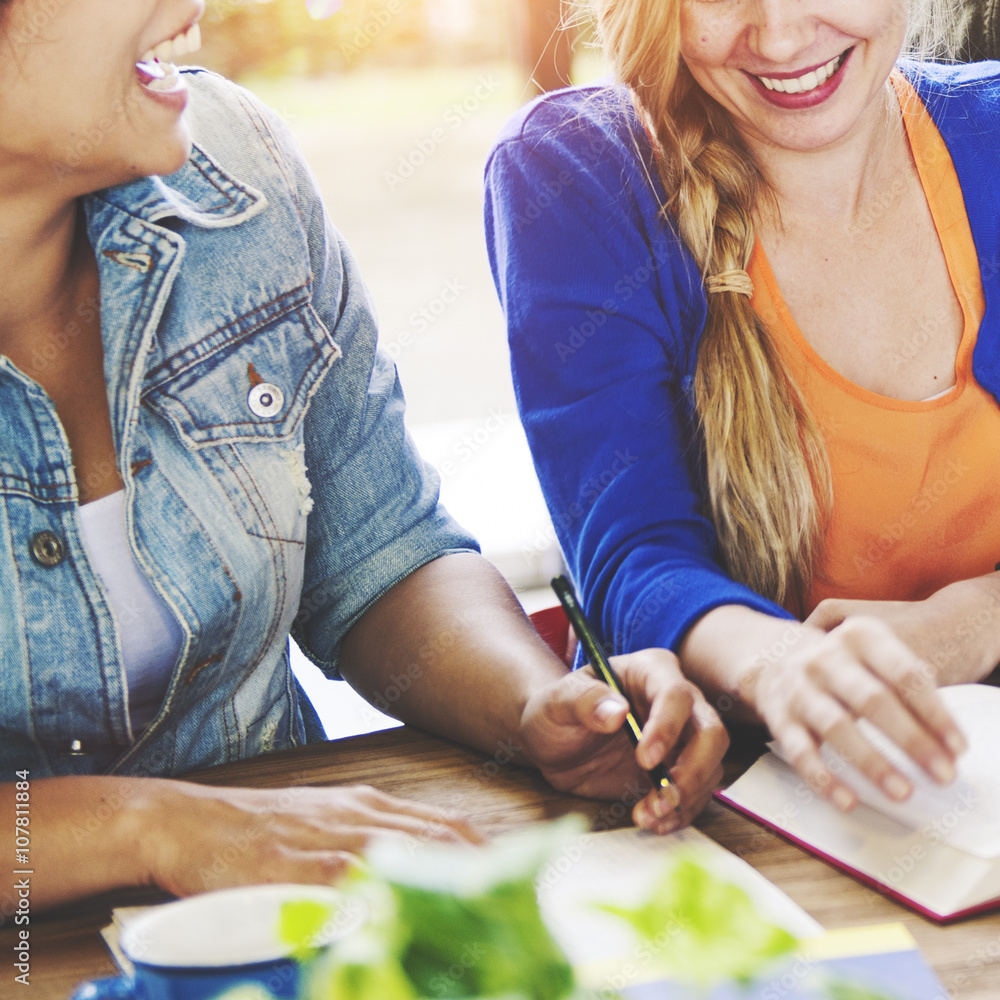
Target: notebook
point(937, 853)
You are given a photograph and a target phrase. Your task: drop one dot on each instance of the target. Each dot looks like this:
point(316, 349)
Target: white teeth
point(805, 83)
point(173, 48)
point(167, 82)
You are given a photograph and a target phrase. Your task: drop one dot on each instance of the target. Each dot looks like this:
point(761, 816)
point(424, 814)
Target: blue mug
point(204, 946)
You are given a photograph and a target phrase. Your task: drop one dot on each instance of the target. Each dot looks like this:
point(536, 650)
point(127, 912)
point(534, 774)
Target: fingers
point(695, 773)
point(573, 734)
point(861, 670)
point(276, 863)
point(903, 714)
point(802, 752)
point(829, 614)
point(911, 681)
point(221, 837)
point(407, 816)
point(671, 701)
point(581, 699)
point(678, 723)
point(663, 700)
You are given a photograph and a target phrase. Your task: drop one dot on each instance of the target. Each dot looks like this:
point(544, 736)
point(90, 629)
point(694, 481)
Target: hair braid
point(767, 472)
point(768, 479)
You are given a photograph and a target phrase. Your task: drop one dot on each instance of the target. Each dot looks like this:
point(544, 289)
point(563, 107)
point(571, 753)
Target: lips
point(806, 82)
point(157, 71)
point(804, 88)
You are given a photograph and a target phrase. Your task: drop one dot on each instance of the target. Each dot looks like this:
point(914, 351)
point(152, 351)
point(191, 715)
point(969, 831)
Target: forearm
point(449, 649)
point(968, 638)
point(724, 650)
point(956, 630)
point(82, 835)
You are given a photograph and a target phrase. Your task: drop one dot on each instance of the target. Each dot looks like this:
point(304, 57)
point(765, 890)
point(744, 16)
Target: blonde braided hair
point(767, 472)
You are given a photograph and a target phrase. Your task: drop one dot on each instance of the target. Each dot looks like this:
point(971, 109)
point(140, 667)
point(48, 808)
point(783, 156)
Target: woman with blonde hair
point(750, 298)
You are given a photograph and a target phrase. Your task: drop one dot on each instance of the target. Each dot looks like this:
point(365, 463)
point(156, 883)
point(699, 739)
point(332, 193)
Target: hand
point(821, 684)
point(571, 729)
point(199, 838)
point(956, 629)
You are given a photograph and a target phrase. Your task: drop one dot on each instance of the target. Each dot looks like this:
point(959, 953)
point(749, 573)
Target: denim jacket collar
point(201, 193)
point(139, 259)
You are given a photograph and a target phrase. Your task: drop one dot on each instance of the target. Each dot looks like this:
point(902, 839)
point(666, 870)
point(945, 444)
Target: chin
point(159, 151)
point(162, 163)
point(172, 165)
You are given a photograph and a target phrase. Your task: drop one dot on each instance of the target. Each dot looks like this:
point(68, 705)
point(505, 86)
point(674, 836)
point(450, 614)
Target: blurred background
point(396, 104)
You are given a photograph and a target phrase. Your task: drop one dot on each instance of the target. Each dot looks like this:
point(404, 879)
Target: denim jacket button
point(47, 549)
point(265, 400)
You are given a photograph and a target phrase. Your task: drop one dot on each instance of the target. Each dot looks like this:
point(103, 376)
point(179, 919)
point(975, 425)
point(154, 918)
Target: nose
point(781, 29)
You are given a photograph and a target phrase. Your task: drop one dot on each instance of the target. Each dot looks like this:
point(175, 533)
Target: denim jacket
point(269, 481)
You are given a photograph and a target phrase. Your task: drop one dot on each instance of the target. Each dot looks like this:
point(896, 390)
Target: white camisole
point(148, 633)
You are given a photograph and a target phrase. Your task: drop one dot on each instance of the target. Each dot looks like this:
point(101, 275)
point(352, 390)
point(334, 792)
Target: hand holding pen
point(659, 774)
point(679, 726)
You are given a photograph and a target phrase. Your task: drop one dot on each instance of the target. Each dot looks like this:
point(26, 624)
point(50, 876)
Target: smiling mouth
point(808, 82)
point(157, 68)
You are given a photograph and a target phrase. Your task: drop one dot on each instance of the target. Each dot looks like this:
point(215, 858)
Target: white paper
point(964, 813)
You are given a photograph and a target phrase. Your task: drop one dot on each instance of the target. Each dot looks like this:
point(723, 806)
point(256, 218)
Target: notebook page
point(965, 813)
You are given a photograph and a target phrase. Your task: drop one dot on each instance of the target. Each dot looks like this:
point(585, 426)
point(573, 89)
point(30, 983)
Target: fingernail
point(668, 825)
point(956, 743)
point(843, 799)
point(651, 752)
point(896, 787)
point(666, 802)
point(942, 769)
point(607, 709)
point(644, 817)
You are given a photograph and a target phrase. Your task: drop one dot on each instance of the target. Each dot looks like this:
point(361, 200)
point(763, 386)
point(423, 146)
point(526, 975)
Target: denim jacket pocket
point(249, 381)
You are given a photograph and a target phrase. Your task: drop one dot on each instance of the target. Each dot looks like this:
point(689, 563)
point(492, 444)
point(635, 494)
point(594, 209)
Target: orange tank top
point(915, 484)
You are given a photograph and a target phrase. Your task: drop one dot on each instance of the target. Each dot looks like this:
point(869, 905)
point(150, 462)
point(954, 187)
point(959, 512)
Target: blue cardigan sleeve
point(604, 308)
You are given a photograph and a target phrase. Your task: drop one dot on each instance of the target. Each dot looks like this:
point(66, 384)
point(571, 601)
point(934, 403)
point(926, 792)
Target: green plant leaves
point(700, 930)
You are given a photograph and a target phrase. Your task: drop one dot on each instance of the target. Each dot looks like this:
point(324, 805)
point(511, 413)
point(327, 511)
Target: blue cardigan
point(605, 309)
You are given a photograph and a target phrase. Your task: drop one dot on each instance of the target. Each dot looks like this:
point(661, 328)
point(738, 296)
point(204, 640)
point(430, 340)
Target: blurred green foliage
point(279, 36)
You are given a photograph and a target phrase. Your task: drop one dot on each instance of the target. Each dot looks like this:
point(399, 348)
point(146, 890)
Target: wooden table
point(67, 948)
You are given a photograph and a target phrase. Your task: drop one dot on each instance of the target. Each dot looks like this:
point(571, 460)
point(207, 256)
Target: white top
point(149, 635)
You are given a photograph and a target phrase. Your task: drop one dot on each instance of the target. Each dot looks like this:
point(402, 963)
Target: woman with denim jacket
point(751, 303)
point(201, 450)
